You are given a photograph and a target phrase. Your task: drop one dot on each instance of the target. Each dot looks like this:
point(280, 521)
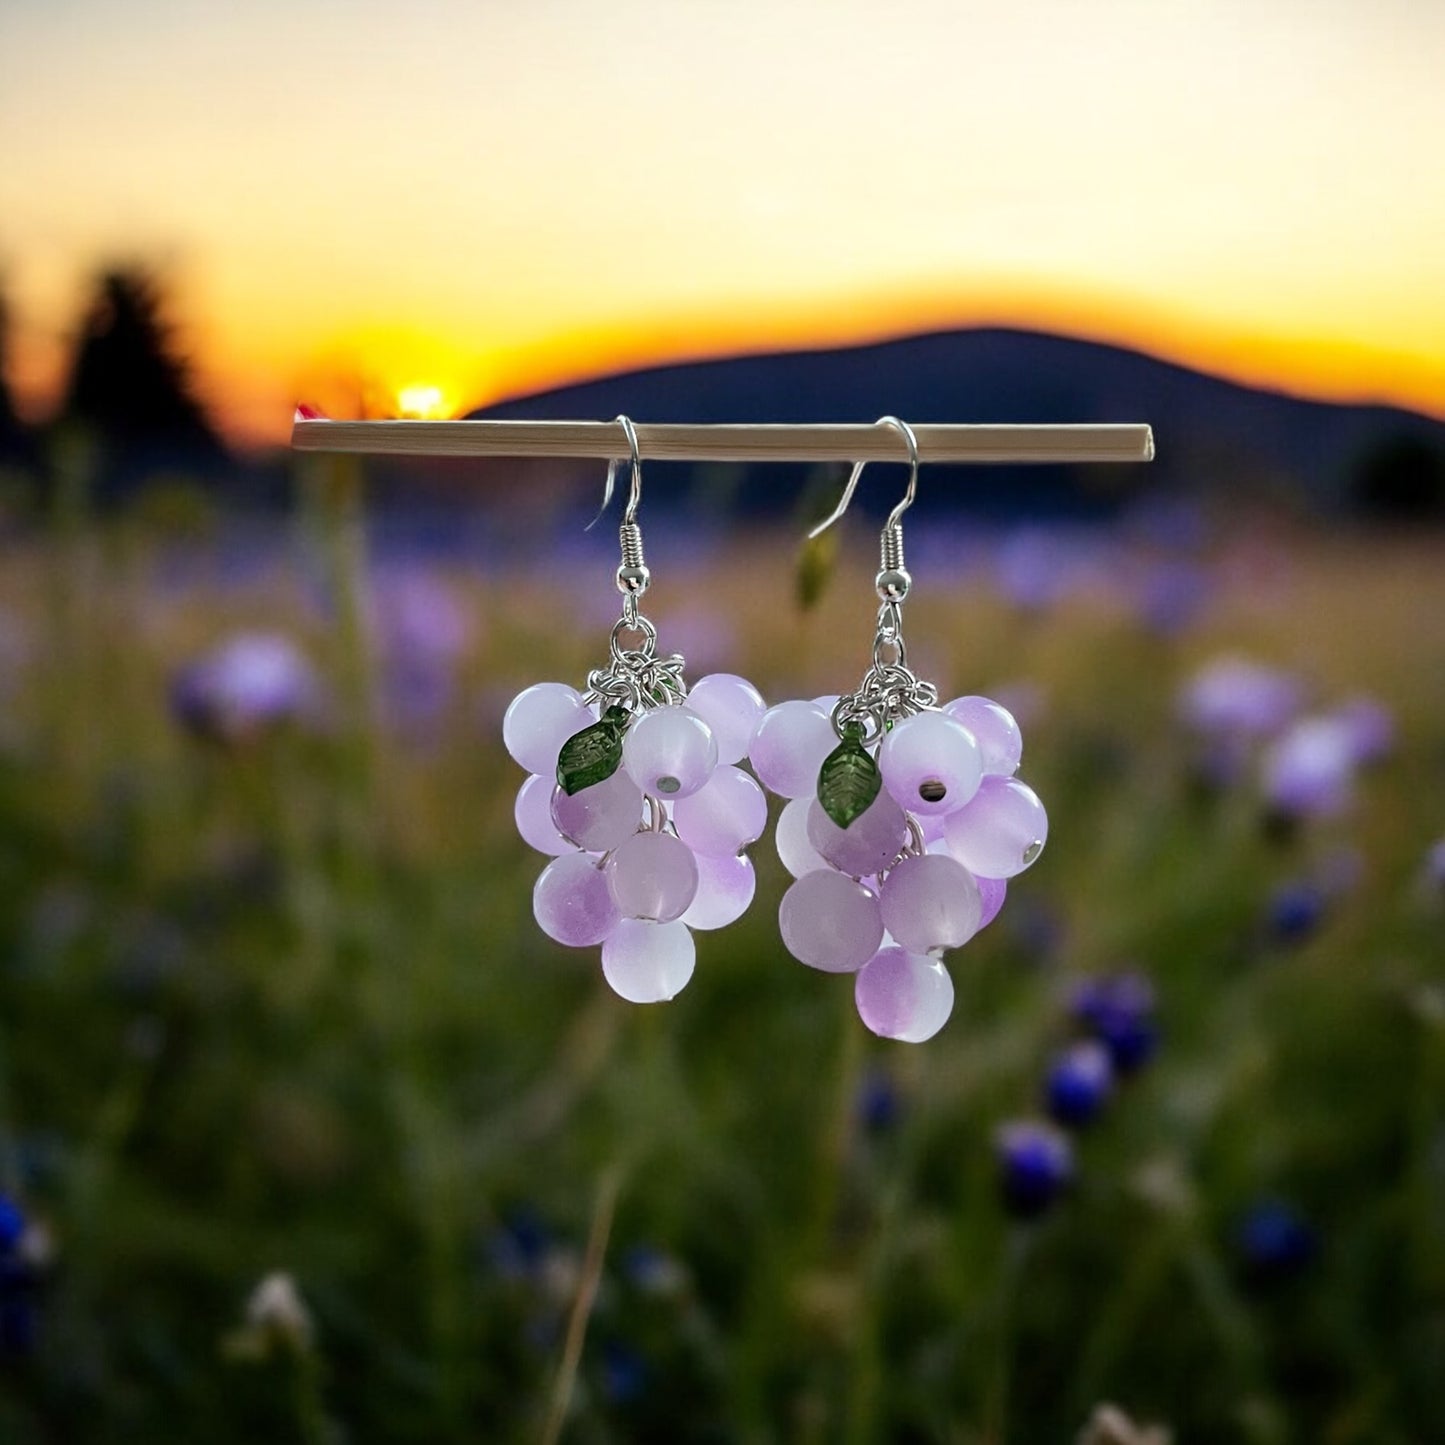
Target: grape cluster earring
point(634, 793)
point(904, 820)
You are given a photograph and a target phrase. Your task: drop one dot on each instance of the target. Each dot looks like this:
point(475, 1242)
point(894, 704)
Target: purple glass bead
point(648, 962)
point(789, 746)
point(539, 720)
point(830, 922)
point(869, 843)
point(795, 850)
point(652, 876)
point(533, 812)
point(601, 817)
point(1000, 743)
point(931, 902)
point(991, 892)
point(724, 816)
point(732, 707)
point(901, 995)
point(572, 902)
point(669, 752)
point(1000, 831)
point(725, 886)
point(930, 764)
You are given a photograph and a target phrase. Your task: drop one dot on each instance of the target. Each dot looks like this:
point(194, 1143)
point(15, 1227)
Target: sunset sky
point(466, 201)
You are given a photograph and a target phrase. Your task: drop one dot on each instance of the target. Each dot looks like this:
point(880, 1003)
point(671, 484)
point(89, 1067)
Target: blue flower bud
point(1036, 1164)
point(1079, 1083)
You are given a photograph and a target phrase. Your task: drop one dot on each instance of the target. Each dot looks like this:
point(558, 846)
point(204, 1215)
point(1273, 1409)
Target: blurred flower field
point(307, 1134)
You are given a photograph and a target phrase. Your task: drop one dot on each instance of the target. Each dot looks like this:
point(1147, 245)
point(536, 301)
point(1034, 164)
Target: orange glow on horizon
point(363, 384)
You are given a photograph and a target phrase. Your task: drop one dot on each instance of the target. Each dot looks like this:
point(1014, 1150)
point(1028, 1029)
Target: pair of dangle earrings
point(903, 819)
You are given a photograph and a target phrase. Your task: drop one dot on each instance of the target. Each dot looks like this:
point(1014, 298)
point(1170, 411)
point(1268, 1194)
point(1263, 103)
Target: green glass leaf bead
point(849, 779)
point(594, 754)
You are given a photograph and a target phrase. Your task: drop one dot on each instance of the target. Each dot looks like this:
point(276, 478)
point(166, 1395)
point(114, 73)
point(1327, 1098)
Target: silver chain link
point(636, 677)
point(890, 690)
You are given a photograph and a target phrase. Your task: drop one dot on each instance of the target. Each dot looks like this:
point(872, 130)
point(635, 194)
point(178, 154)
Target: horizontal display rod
point(604, 440)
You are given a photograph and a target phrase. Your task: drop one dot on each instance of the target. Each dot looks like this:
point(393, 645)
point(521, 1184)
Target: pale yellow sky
point(492, 196)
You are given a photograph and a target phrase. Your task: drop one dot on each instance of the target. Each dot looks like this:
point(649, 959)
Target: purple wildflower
point(1369, 728)
point(1079, 1083)
point(1035, 1163)
point(244, 688)
point(1274, 1242)
point(1295, 910)
point(1232, 697)
point(1310, 771)
point(1118, 1010)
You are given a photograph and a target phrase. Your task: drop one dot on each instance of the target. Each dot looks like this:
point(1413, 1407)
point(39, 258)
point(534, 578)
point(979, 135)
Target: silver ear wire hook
point(632, 573)
point(634, 495)
point(893, 580)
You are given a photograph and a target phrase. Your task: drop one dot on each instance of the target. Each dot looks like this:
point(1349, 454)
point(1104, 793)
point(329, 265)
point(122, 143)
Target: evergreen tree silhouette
point(15, 440)
point(130, 386)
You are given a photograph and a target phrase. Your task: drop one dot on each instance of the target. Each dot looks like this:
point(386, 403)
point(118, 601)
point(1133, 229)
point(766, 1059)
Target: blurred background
point(306, 1132)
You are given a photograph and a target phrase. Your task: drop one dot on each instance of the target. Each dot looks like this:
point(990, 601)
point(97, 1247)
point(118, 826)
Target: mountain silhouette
point(1212, 436)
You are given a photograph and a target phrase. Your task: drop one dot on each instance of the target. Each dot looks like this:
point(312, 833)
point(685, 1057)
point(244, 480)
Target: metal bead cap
point(633, 579)
point(893, 584)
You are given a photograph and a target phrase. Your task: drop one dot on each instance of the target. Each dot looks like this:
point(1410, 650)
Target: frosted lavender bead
point(901, 995)
point(789, 746)
point(669, 752)
point(1000, 831)
point(1000, 743)
point(725, 815)
point(572, 902)
point(992, 891)
point(930, 764)
point(930, 902)
point(725, 886)
point(795, 851)
point(533, 813)
point(600, 817)
point(731, 706)
point(652, 876)
point(830, 922)
point(648, 962)
point(870, 842)
point(539, 720)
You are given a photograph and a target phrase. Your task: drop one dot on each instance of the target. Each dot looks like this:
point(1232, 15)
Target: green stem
point(602, 1214)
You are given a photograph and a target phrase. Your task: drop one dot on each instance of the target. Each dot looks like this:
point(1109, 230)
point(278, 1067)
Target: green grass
point(283, 1007)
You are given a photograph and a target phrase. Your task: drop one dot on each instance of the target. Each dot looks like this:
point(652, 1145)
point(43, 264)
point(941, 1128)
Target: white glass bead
point(539, 720)
point(930, 903)
point(795, 850)
point(901, 995)
point(1000, 743)
point(789, 746)
point(1000, 831)
point(725, 887)
point(830, 922)
point(731, 706)
point(724, 816)
point(572, 902)
point(930, 763)
point(870, 842)
point(669, 752)
point(533, 813)
point(648, 962)
point(652, 876)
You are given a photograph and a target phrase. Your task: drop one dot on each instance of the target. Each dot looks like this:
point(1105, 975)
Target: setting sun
point(421, 403)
